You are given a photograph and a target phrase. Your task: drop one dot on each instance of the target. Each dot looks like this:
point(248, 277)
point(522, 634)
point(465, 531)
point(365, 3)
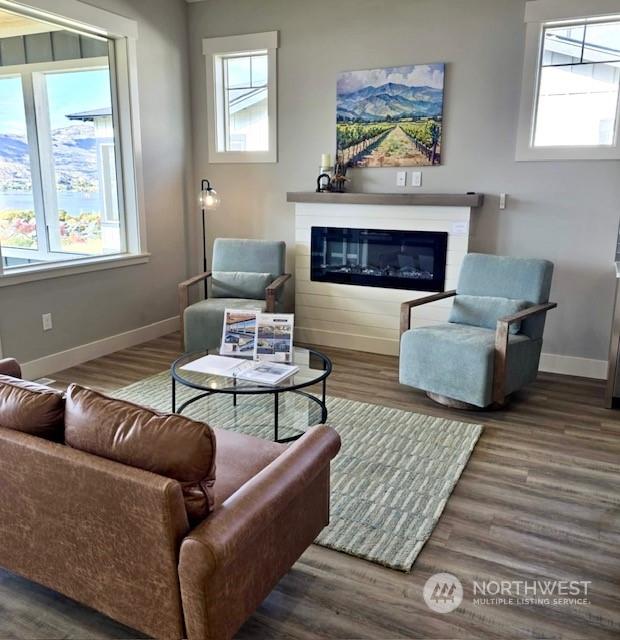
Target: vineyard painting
point(390, 117)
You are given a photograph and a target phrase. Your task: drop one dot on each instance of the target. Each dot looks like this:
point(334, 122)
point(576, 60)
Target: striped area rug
point(390, 481)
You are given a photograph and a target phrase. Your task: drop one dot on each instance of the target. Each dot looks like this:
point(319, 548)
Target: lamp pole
point(209, 200)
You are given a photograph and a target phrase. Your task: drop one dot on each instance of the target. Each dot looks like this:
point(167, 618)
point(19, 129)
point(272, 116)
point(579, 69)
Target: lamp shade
point(209, 199)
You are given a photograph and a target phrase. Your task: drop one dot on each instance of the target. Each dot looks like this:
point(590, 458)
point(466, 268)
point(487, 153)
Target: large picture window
point(570, 102)
point(67, 191)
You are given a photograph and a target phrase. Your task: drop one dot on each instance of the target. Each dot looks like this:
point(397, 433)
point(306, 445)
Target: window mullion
point(118, 155)
point(46, 162)
point(35, 165)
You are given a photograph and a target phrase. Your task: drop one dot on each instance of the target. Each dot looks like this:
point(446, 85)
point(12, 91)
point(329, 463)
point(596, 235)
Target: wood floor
point(539, 499)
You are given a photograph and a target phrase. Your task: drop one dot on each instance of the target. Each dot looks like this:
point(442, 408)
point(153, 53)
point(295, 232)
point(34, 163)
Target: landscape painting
point(390, 117)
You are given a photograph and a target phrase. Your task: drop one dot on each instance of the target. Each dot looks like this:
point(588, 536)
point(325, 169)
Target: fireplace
point(379, 258)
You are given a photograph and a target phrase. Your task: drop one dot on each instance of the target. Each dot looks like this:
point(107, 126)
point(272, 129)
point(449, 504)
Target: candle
point(326, 160)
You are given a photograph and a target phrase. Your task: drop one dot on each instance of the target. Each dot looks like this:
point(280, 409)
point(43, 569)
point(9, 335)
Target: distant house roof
point(89, 116)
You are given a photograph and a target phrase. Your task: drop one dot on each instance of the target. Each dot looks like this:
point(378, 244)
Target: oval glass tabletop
point(313, 368)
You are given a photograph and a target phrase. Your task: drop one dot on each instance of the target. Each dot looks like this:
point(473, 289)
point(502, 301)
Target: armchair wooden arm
point(501, 346)
point(405, 307)
point(183, 289)
point(271, 291)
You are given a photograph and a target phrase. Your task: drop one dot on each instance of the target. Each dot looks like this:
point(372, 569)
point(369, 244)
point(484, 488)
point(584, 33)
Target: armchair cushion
point(457, 361)
point(240, 284)
point(167, 444)
point(517, 278)
point(203, 321)
point(485, 311)
point(31, 408)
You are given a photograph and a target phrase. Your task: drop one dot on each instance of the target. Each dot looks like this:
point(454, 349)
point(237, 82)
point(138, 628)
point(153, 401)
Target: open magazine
point(261, 336)
point(269, 373)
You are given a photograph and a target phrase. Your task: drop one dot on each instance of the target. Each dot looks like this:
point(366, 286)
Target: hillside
point(75, 158)
point(375, 104)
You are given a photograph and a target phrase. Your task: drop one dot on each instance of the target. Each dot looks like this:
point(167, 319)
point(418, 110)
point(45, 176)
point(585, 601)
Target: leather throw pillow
point(167, 444)
point(31, 408)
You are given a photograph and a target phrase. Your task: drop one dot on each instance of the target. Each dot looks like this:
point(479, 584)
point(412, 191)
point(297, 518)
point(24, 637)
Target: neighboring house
point(106, 169)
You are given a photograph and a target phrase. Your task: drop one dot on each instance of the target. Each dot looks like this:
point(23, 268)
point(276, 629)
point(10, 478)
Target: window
point(571, 85)
point(241, 88)
point(67, 179)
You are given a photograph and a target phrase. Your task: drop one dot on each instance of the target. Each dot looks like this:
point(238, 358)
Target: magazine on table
point(262, 336)
point(274, 337)
point(239, 333)
point(269, 373)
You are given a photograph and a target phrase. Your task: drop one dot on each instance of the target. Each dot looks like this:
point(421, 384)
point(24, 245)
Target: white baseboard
point(77, 355)
point(573, 366)
point(549, 362)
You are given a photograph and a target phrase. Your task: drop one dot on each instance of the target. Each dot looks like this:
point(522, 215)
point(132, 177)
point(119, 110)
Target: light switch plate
point(401, 179)
point(416, 178)
point(47, 321)
point(502, 201)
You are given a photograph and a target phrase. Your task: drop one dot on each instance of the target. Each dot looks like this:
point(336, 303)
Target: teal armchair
point(491, 344)
point(246, 274)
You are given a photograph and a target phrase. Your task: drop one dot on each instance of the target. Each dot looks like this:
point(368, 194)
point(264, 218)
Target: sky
point(68, 92)
point(421, 75)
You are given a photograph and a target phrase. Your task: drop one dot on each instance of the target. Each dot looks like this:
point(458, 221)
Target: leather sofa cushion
point(239, 458)
point(31, 408)
point(167, 444)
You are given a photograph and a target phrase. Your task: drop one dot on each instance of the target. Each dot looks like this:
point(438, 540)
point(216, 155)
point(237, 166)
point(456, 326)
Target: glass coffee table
point(314, 369)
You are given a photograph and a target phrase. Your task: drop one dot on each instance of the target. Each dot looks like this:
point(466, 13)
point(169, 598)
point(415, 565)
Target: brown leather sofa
point(117, 538)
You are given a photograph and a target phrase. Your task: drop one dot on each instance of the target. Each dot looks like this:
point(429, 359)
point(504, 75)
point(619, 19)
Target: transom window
point(571, 82)
point(578, 86)
point(241, 97)
point(245, 97)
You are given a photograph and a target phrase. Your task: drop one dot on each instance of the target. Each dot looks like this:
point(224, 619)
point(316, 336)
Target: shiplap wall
point(368, 318)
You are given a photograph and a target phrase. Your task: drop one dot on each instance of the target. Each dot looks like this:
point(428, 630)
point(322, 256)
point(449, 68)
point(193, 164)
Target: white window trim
point(213, 49)
point(123, 32)
point(538, 14)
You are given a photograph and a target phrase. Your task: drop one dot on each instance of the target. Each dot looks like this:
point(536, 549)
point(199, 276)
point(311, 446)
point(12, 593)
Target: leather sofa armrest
point(10, 367)
point(232, 560)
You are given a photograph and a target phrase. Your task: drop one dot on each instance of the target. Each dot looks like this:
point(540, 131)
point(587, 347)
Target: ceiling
point(12, 24)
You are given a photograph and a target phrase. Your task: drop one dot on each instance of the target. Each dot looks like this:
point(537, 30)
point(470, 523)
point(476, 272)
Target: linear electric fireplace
point(379, 258)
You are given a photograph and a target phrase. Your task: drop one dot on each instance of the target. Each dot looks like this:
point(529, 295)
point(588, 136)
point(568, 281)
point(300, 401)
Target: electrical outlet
point(502, 201)
point(416, 178)
point(47, 321)
point(401, 179)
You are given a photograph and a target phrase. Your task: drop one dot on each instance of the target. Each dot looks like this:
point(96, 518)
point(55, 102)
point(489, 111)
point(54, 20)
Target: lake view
point(73, 202)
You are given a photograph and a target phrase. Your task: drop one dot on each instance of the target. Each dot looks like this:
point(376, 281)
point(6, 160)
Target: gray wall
point(564, 211)
point(95, 305)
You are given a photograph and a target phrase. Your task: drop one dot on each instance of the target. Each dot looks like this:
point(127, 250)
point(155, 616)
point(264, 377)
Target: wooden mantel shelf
point(421, 199)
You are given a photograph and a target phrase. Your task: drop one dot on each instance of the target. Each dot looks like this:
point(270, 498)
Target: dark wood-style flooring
point(539, 499)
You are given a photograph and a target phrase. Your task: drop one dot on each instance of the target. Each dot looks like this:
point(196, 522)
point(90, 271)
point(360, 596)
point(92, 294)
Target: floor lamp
point(209, 201)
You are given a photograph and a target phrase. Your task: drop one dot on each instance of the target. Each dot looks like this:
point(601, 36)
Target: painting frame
point(391, 116)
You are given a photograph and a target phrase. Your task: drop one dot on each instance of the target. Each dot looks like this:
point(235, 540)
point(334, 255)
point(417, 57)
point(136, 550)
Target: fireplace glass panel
point(393, 259)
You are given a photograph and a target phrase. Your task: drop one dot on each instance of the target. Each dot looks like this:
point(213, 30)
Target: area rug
point(390, 481)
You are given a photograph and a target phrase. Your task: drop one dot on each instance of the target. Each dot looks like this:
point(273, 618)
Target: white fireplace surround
point(368, 318)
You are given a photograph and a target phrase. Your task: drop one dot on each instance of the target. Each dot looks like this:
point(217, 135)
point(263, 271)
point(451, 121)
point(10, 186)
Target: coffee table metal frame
point(236, 390)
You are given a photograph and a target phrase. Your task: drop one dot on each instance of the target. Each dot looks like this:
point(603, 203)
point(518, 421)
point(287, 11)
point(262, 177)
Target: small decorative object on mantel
point(326, 163)
point(340, 175)
point(323, 183)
